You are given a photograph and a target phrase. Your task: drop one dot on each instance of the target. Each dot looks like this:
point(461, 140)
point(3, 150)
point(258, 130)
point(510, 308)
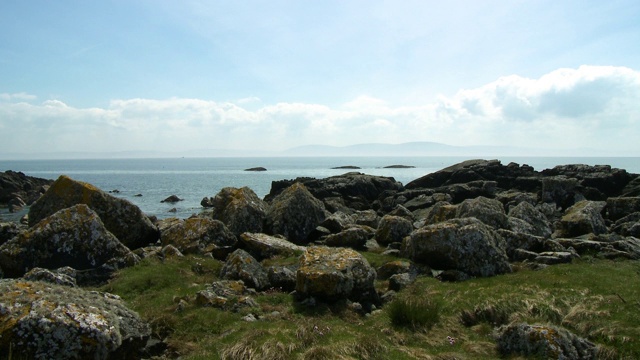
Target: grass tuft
point(414, 313)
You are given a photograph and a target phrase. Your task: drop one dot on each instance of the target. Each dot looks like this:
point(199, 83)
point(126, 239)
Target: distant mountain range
point(373, 149)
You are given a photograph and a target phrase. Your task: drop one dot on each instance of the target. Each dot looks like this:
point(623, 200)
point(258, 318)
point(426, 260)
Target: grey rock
point(545, 341)
point(263, 246)
point(198, 236)
point(294, 213)
point(392, 229)
point(539, 225)
point(240, 265)
point(584, 217)
point(354, 237)
point(489, 211)
point(240, 209)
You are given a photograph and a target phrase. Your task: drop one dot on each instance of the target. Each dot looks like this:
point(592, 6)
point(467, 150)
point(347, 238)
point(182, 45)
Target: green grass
point(596, 299)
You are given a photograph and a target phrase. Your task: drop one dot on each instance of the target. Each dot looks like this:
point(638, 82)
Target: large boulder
point(619, 207)
point(354, 237)
point(294, 213)
point(537, 222)
point(264, 246)
point(489, 211)
point(543, 341)
point(561, 190)
point(47, 321)
point(74, 237)
point(240, 265)
point(333, 274)
point(392, 229)
point(122, 218)
point(605, 180)
point(240, 209)
point(466, 245)
point(585, 217)
point(198, 235)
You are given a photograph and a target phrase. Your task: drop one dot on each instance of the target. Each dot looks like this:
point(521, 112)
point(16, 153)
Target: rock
point(16, 204)
point(399, 167)
point(264, 246)
point(366, 217)
point(619, 207)
point(226, 295)
point(240, 265)
point(584, 217)
point(538, 223)
point(398, 282)
point(332, 274)
point(65, 276)
point(282, 277)
point(74, 237)
point(125, 220)
point(392, 229)
point(466, 245)
point(489, 211)
point(346, 167)
point(294, 213)
point(8, 231)
point(626, 226)
point(259, 168)
point(544, 341)
point(561, 190)
point(198, 236)
point(240, 209)
point(358, 191)
point(391, 268)
point(337, 222)
point(172, 199)
point(439, 212)
point(604, 179)
point(15, 184)
point(46, 321)
point(553, 258)
point(354, 237)
point(515, 241)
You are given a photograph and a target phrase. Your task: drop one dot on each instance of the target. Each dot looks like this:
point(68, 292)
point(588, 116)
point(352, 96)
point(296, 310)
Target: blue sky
point(96, 76)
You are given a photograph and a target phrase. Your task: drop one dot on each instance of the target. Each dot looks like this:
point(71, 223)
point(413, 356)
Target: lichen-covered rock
point(366, 217)
point(65, 276)
point(240, 265)
point(240, 209)
point(561, 190)
point(264, 246)
point(628, 225)
point(74, 237)
point(227, 295)
point(332, 274)
point(538, 223)
point(294, 213)
point(489, 211)
point(354, 237)
point(392, 229)
point(122, 218)
point(439, 212)
point(282, 277)
point(337, 222)
point(8, 231)
point(466, 245)
point(198, 235)
point(544, 341)
point(585, 217)
point(45, 321)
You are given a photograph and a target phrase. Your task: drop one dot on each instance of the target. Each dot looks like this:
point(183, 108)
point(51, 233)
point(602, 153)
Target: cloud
point(591, 106)
point(22, 96)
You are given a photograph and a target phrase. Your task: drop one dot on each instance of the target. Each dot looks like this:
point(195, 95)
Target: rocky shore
point(478, 218)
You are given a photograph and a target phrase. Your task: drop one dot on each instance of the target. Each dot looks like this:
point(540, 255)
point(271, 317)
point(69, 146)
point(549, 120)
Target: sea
point(146, 182)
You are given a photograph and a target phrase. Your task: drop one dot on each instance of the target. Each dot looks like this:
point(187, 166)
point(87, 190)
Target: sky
point(173, 76)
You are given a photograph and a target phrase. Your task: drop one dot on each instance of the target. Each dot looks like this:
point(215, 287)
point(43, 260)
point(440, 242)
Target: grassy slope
point(597, 299)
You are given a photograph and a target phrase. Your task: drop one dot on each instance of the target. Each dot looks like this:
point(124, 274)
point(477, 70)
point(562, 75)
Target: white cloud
point(22, 96)
point(589, 106)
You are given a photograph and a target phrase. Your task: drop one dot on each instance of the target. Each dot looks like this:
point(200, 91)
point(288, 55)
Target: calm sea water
point(195, 178)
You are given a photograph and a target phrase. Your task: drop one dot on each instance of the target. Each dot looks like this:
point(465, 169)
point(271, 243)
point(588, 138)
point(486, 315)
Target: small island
point(350, 167)
point(260, 168)
point(399, 167)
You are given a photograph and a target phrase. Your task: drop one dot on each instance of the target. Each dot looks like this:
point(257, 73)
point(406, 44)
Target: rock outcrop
point(46, 321)
point(264, 246)
point(15, 184)
point(122, 218)
point(74, 237)
point(543, 341)
point(198, 236)
point(240, 265)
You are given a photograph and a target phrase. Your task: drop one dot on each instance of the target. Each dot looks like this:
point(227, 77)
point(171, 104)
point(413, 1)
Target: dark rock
point(354, 237)
point(398, 282)
point(282, 277)
point(553, 258)
point(619, 207)
point(584, 217)
point(264, 246)
point(198, 236)
point(240, 265)
point(172, 199)
point(466, 245)
point(122, 218)
point(626, 226)
point(367, 218)
point(399, 167)
point(608, 181)
point(334, 274)
point(561, 190)
point(47, 321)
point(439, 212)
point(516, 241)
point(349, 167)
point(259, 168)
point(16, 184)
point(392, 229)
point(240, 209)
point(8, 231)
point(294, 213)
point(337, 222)
point(544, 341)
point(74, 237)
